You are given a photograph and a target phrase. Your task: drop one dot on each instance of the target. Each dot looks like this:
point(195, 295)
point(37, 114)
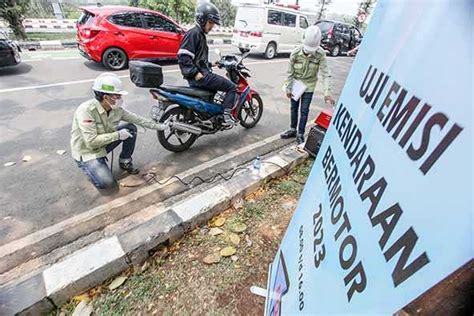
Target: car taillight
point(90, 33)
point(256, 34)
point(330, 33)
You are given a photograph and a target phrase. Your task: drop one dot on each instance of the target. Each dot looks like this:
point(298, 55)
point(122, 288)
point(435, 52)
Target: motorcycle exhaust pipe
point(182, 127)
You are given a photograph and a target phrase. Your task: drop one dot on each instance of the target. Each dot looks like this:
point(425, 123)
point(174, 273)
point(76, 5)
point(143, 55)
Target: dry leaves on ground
point(117, 283)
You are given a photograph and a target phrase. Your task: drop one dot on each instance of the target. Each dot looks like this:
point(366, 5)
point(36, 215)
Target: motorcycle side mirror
point(218, 52)
point(243, 57)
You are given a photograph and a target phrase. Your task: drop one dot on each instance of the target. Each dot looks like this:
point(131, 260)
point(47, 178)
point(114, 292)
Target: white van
point(268, 29)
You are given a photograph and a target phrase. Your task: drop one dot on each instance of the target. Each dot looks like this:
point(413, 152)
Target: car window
point(324, 26)
point(289, 19)
point(345, 30)
point(157, 23)
point(128, 19)
point(274, 17)
point(338, 28)
point(303, 22)
point(85, 18)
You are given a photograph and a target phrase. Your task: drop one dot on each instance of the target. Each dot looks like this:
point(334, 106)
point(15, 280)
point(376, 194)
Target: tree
point(340, 17)
point(322, 8)
point(13, 12)
point(71, 11)
point(227, 11)
point(180, 10)
point(365, 7)
point(40, 9)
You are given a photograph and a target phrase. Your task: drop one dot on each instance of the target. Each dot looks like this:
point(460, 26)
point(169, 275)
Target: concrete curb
point(58, 45)
point(43, 290)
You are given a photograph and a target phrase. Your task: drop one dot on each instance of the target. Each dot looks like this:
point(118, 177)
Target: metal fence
point(64, 9)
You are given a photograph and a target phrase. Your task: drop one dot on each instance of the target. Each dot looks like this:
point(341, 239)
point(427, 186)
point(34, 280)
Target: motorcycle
point(192, 112)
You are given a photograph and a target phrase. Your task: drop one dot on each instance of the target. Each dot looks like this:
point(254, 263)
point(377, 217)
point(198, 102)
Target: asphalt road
point(37, 102)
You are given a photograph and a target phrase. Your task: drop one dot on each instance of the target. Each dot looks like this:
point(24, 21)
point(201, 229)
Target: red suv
point(113, 35)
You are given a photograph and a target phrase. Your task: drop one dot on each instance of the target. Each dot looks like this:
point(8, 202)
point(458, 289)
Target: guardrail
point(69, 25)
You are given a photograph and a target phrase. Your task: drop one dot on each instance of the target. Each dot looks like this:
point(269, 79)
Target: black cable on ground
point(112, 163)
point(208, 180)
point(152, 176)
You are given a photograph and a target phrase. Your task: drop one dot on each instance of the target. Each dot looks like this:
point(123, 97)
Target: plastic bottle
point(256, 165)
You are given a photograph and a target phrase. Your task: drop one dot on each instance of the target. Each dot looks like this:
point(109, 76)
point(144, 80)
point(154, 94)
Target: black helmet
point(206, 11)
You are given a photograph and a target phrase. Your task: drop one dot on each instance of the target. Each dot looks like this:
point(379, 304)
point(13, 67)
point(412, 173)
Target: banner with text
point(386, 212)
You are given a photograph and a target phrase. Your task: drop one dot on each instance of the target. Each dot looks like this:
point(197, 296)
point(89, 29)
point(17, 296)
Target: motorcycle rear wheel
point(174, 140)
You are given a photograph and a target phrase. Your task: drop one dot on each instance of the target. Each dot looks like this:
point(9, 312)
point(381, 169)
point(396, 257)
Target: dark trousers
point(216, 83)
point(98, 171)
point(128, 145)
point(305, 102)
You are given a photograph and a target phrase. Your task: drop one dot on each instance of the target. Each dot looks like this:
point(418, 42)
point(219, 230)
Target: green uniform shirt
point(93, 129)
point(307, 68)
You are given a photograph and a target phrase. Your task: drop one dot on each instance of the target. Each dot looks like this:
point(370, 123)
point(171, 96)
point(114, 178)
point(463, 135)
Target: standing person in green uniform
point(307, 62)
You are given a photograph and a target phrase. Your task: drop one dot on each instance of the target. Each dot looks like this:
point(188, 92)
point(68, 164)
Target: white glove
point(162, 126)
point(124, 134)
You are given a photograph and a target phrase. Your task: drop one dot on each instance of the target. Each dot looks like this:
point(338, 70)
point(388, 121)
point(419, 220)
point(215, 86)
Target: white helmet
point(109, 83)
point(311, 38)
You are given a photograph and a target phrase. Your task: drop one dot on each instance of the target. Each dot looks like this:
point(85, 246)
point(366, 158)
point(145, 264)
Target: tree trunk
point(321, 11)
point(13, 15)
point(16, 24)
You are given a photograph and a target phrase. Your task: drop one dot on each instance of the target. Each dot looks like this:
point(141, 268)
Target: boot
point(288, 134)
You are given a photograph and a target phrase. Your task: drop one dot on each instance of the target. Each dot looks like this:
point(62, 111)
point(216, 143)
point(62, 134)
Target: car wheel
point(16, 56)
point(115, 59)
point(335, 51)
point(243, 50)
point(270, 52)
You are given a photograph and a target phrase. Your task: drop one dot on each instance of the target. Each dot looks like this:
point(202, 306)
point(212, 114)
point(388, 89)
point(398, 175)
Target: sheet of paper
point(297, 89)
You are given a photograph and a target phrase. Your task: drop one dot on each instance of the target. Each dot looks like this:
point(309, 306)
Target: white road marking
point(68, 83)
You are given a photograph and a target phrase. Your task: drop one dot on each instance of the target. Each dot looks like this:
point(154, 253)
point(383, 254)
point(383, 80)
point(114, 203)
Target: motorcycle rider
point(193, 59)
point(97, 129)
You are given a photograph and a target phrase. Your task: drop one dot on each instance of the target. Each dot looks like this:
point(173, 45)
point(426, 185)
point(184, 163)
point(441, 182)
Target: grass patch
point(254, 209)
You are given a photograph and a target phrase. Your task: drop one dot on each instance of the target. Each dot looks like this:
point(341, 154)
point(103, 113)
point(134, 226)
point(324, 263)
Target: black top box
point(145, 74)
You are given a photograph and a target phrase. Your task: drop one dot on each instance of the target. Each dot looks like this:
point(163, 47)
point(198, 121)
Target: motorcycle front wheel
point(174, 140)
point(251, 111)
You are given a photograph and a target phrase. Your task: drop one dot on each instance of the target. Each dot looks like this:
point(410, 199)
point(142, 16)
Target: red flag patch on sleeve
point(87, 121)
